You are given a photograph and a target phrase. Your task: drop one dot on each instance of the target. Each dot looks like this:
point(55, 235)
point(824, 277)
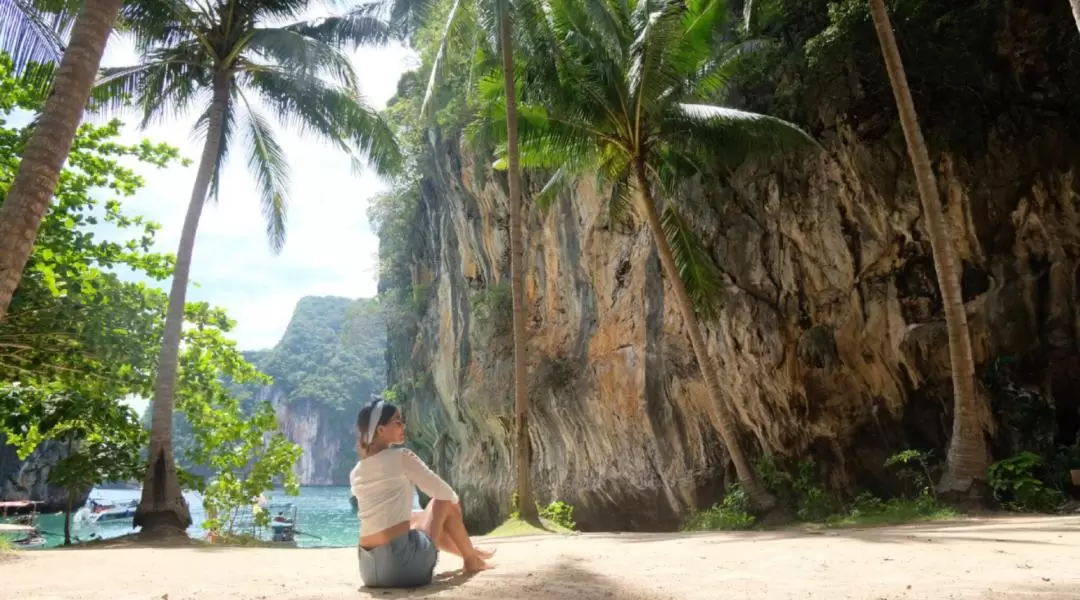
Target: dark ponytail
point(363, 421)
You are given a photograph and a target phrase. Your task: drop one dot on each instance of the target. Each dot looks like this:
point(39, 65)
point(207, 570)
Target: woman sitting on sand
point(399, 548)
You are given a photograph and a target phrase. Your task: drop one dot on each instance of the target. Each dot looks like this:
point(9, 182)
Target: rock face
point(29, 479)
point(327, 364)
point(831, 345)
point(325, 435)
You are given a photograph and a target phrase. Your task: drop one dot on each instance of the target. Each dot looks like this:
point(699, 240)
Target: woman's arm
point(426, 479)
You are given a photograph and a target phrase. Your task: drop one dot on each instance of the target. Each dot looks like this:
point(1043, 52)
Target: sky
point(331, 248)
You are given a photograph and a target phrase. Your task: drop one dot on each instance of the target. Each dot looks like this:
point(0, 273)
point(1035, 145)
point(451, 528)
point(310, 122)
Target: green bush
point(494, 306)
point(731, 514)
point(868, 509)
point(1018, 486)
point(920, 478)
point(800, 491)
point(559, 513)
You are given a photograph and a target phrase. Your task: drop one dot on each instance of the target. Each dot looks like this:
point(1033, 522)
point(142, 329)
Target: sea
point(325, 518)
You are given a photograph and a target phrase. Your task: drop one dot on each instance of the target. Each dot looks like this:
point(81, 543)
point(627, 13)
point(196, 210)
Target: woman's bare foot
point(474, 564)
point(484, 554)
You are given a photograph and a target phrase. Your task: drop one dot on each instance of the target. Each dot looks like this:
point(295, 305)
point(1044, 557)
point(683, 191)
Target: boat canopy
point(9, 528)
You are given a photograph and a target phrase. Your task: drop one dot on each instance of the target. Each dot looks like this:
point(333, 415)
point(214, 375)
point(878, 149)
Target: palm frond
point(266, 159)
point(731, 135)
point(440, 59)
point(652, 68)
point(712, 82)
point(698, 272)
point(294, 51)
point(405, 17)
point(272, 10)
point(202, 125)
point(163, 87)
point(361, 26)
point(157, 24)
point(32, 34)
point(337, 115)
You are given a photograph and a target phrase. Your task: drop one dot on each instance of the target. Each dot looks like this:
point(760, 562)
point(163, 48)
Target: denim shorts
point(407, 561)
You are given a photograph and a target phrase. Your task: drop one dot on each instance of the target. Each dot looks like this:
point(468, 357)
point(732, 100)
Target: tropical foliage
point(80, 337)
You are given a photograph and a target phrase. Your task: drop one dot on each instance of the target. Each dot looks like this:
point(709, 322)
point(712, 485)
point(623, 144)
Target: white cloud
point(330, 248)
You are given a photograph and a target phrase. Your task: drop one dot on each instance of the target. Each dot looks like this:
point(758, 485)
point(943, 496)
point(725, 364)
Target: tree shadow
point(561, 580)
point(1044, 590)
point(976, 530)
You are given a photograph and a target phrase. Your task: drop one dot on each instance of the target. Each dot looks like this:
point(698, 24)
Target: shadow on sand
point(562, 580)
point(938, 532)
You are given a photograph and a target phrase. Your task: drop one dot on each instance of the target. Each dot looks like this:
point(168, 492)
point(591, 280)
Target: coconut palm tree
point(967, 459)
point(407, 14)
point(224, 57)
point(631, 98)
point(26, 33)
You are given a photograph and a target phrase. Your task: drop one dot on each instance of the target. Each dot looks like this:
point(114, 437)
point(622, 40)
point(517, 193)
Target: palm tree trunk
point(70, 497)
point(967, 458)
point(526, 502)
point(67, 516)
point(1076, 12)
point(28, 198)
point(760, 498)
point(162, 504)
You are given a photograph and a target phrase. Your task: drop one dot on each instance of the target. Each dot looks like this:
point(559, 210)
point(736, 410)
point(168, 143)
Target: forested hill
point(328, 362)
point(332, 353)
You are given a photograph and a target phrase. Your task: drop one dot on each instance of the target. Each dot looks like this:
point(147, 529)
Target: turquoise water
point(323, 514)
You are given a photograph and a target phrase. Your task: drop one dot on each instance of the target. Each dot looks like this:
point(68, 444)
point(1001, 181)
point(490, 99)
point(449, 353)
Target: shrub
point(559, 513)
point(730, 514)
point(1017, 484)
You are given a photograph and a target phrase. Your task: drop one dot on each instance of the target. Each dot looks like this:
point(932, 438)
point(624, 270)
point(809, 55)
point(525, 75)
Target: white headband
point(373, 420)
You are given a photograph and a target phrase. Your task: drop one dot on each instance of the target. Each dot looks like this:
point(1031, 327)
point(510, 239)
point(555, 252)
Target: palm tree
point(629, 101)
point(224, 51)
point(526, 502)
point(967, 459)
point(28, 198)
point(413, 11)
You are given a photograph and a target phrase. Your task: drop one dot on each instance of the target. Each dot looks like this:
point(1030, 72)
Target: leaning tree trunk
point(967, 459)
point(28, 198)
point(760, 498)
point(1076, 12)
point(526, 502)
point(162, 504)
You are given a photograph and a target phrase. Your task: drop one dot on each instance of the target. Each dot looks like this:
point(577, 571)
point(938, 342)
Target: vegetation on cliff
point(331, 354)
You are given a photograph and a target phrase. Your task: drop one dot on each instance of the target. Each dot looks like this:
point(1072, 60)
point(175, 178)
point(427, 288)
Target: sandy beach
point(1001, 558)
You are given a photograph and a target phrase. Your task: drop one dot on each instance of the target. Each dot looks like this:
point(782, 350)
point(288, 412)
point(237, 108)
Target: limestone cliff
point(328, 362)
point(29, 479)
point(831, 343)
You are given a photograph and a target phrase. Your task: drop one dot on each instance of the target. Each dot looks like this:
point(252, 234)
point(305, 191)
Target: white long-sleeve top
point(383, 485)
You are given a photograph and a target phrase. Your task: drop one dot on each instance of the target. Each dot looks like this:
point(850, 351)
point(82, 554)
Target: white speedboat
point(104, 511)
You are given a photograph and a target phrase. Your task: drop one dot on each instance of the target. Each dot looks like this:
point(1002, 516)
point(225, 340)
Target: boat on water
point(22, 524)
point(282, 517)
point(99, 510)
